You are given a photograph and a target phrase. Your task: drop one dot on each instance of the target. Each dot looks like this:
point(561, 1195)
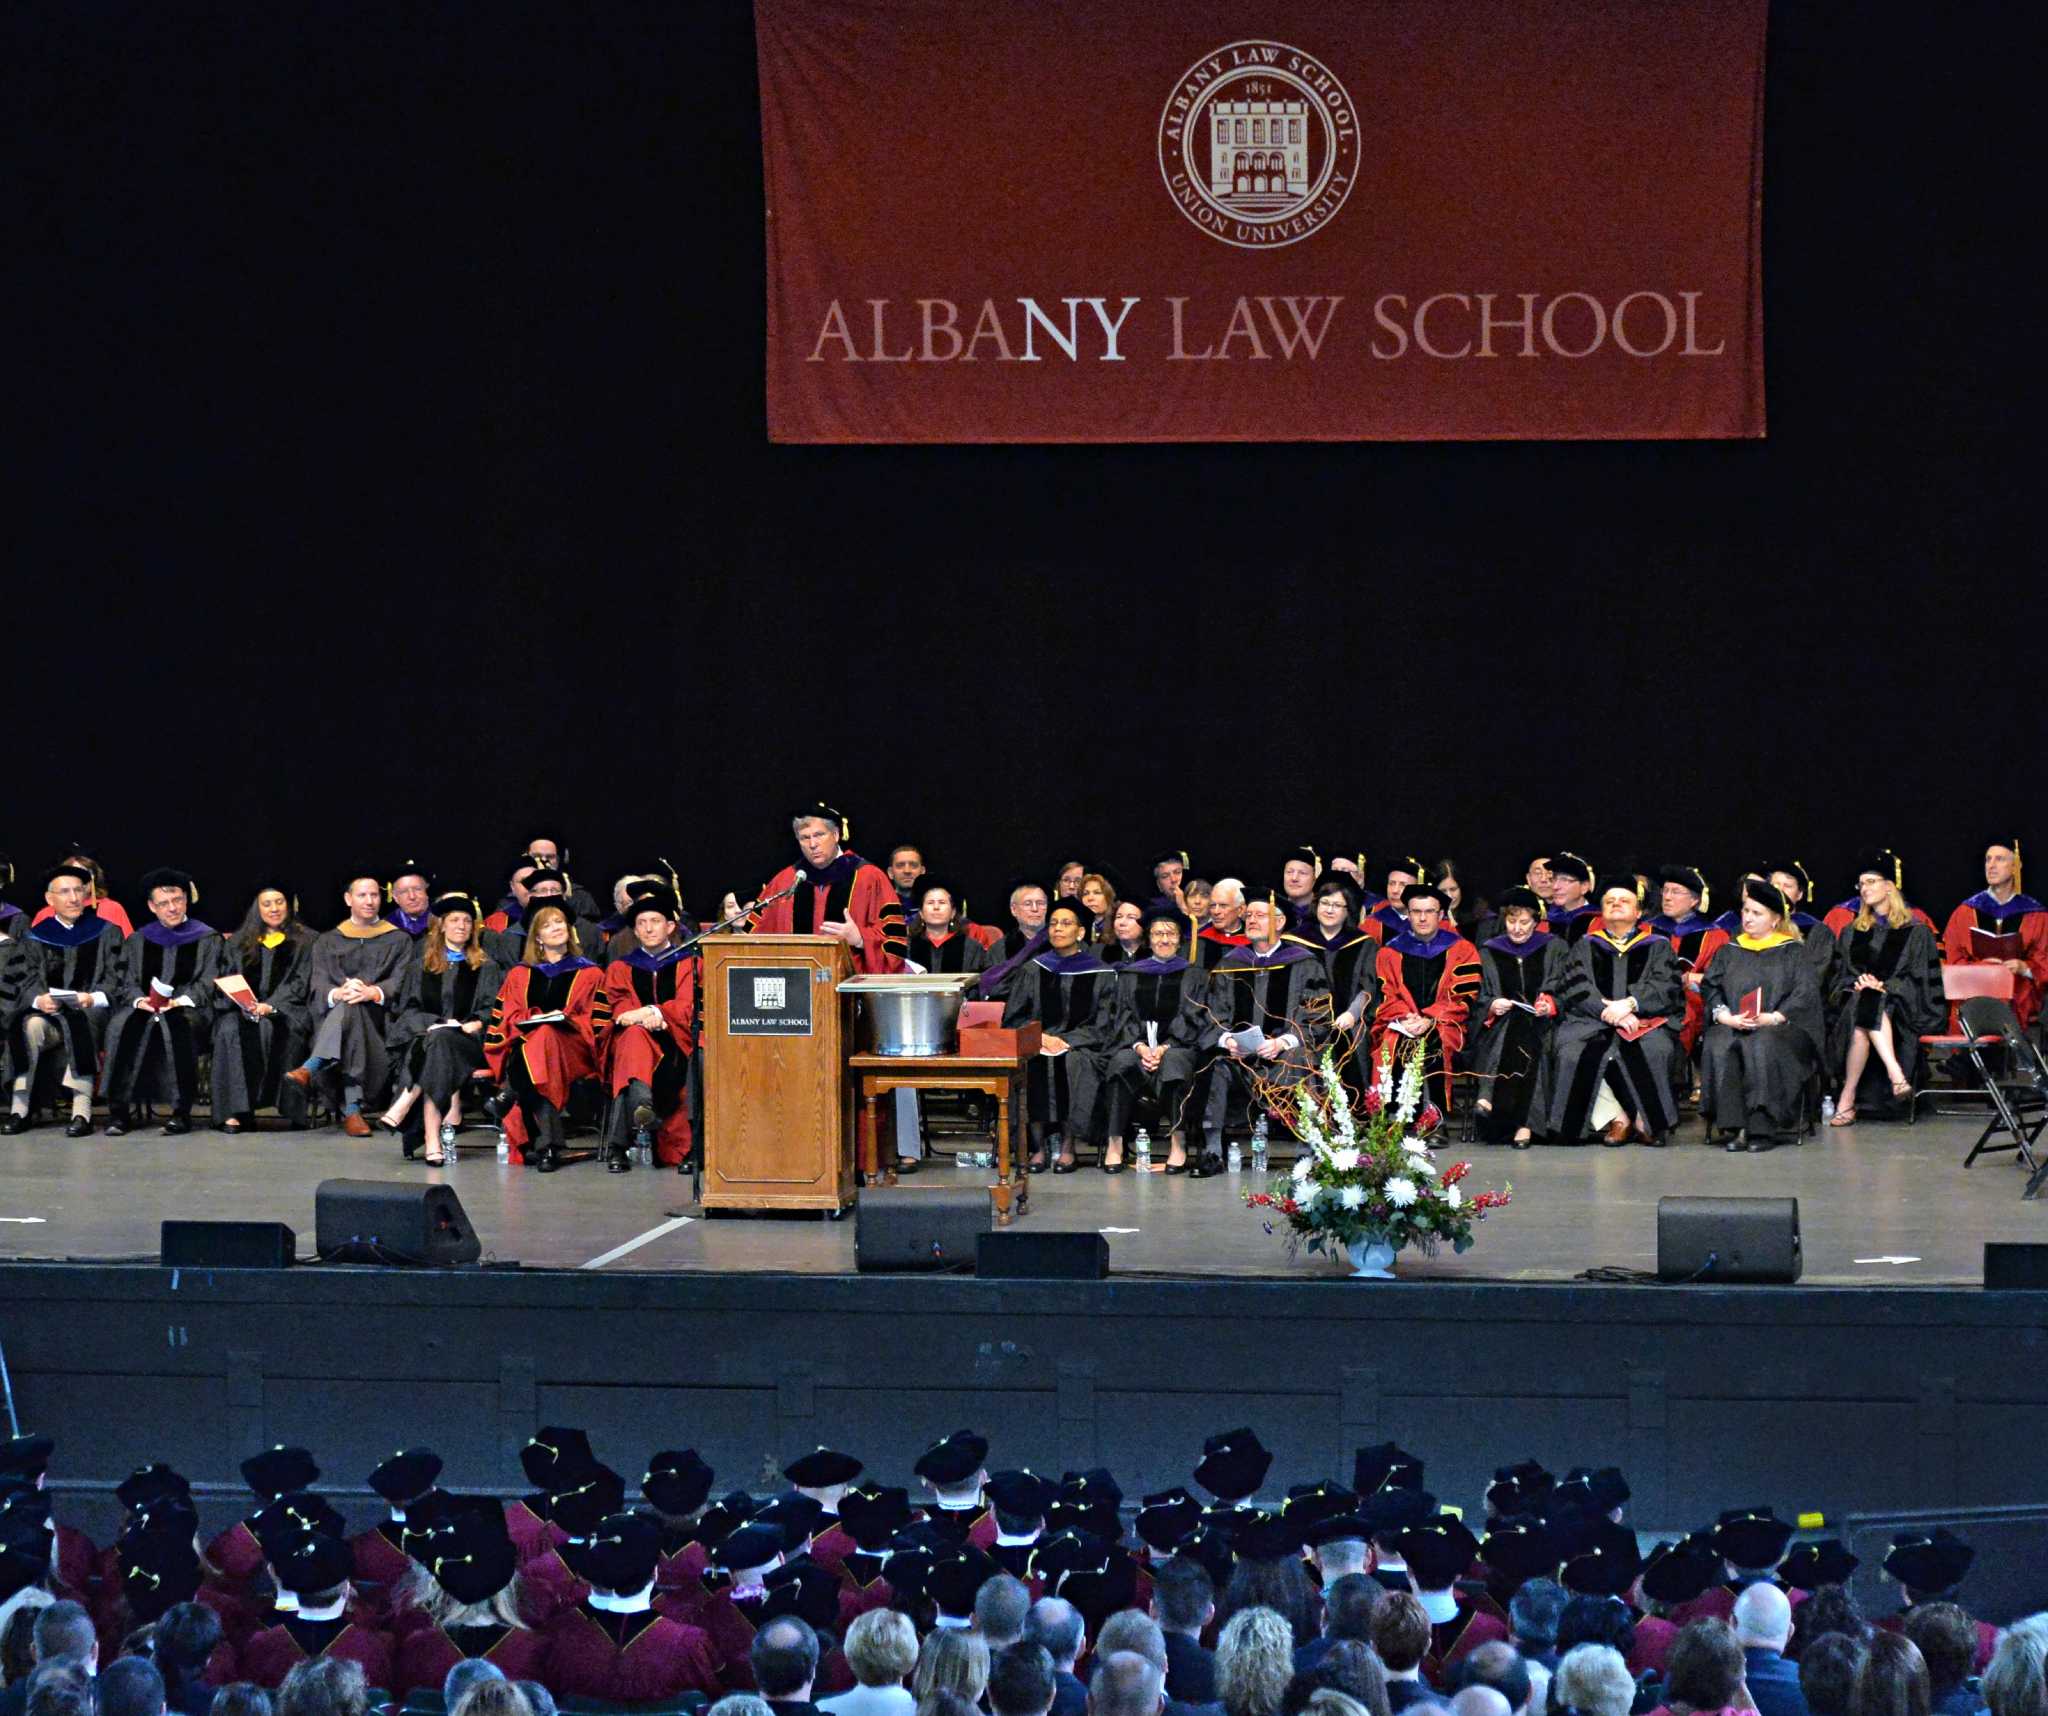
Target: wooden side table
point(998, 1076)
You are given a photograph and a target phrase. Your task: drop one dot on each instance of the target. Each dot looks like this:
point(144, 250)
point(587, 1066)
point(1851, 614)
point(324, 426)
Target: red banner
point(1121, 220)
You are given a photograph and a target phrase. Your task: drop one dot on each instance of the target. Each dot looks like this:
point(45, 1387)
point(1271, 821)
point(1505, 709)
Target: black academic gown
point(1348, 963)
point(1169, 995)
point(84, 957)
point(250, 1055)
point(442, 1062)
point(1071, 996)
point(958, 952)
point(1285, 992)
point(155, 1056)
point(1908, 962)
point(1511, 1054)
point(355, 1037)
point(1587, 1051)
point(1757, 1079)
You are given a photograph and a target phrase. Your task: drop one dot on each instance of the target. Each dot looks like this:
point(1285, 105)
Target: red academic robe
point(235, 1555)
point(531, 1535)
point(555, 1056)
point(634, 1053)
point(729, 1632)
point(1654, 1636)
point(426, 1655)
point(662, 1659)
point(869, 900)
point(831, 1547)
point(274, 1653)
point(380, 1568)
point(2021, 916)
point(1716, 1603)
point(1446, 1010)
point(547, 1587)
point(1454, 1640)
point(1696, 949)
point(684, 1570)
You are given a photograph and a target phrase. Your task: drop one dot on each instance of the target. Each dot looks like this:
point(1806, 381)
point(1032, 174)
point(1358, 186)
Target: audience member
point(1055, 1626)
point(465, 1674)
point(881, 1649)
point(1947, 1638)
point(182, 1644)
point(1184, 1602)
point(131, 1687)
point(1828, 1671)
point(2016, 1683)
point(1704, 1673)
point(1893, 1680)
point(1830, 1609)
point(784, 1658)
point(1353, 1667)
point(498, 1697)
point(1763, 1627)
point(538, 1697)
point(1001, 1607)
point(1479, 1701)
point(1499, 1665)
point(1020, 1681)
point(1349, 1603)
point(240, 1698)
point(1401, 1634)
point(1594, 1680)
point(1126, 1684)
point(326, 1686)
point(1255, 1661)
point(951, 1660)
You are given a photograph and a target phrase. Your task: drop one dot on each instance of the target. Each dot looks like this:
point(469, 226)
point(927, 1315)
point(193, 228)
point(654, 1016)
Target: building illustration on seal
point(1258, 153)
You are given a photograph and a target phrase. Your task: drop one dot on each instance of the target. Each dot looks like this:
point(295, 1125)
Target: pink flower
point(1373, 1101)
point(1429, 1119)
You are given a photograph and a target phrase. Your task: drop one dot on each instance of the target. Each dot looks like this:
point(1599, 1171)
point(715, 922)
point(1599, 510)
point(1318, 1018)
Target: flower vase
point(1371, 1260)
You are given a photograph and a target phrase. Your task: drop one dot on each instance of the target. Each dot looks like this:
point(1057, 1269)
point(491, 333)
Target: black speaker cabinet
point(911, 1227)
point(387, 1221)
point(1042, 1256)
point(1728, 1239)
point(2015, 1268)
point(228, 1245)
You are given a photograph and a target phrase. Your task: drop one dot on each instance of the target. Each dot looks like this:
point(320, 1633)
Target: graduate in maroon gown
point(2003, 926)
point(311, 1568)
point(469, 1601)
point(1438, 1553)
point(383, 1563)
point(160, 1568)
point(615, 1644)
point(676, 1484)
point(1428, 976)
point(235, 1555)
point(870, 1518)
point(653, 992)
point(547, 1031)
point(1676, 1575)
point(1929, 1565)
point(832, 891)
point(954, 1469)
point(25, 1461)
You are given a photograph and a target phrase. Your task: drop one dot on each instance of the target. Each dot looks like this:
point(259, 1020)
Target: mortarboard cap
point(309, 1562)
point(27, 1455)
point(1337, 1528)
point(1571, 865)
point(291, 1516)
point(724, 1517)
point(655, 898)
point(953, 1459)
point(1519, 1488)
point(1258, 1535)
point(1208, 1546)
point(147, 1483)
point(1606, 1564)
point(1679, 1572)
point(677, 1481)
point(473, 1557)
point(1166, 1518)
point(157, 1571)
point(1392, 1512)
point(1929, 1562)
point(1519, 898)
point(1521, 1546)
point(1384, 1466)
point(1752, 1538)
point(1825, 1561)
point(1307, 1503)
point(589, 1497)
point(1425, 891)
point(796, 1516)
point(821, 1468)
point(1685, 876)
point(955, 1579)
point(1439, 1551)
point(618, 1554)
point(755, 1544)
point(456, 901)
point(279, 1471)
point(408, 1473)
point(872, 1516)
point(1020, 1495)
point(1233, 1465)
point(804, 1589)
point(554, 1453)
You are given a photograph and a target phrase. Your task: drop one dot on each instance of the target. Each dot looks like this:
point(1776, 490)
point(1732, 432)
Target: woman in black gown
point(253, 1048)
point(438, 1039)
point(1764, 1043)
point(1521, 975)
point(1165, 992)
point(1071, 994)
point(1334, 931)
point(1889, 995)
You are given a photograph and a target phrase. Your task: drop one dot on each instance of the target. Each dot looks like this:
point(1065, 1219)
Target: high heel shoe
point(1109, 1167)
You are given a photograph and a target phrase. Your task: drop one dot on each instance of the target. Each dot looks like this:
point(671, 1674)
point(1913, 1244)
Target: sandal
point(231, 1125)
point(434, 1159)
point(1902, 1088)
point(1843, 1117)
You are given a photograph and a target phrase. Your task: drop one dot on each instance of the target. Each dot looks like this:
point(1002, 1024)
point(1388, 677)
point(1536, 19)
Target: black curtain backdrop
point(395, 484)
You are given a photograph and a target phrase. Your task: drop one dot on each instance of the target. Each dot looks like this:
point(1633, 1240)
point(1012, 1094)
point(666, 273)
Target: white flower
point(1344, 1161)
point(1415, 1146)
point(1400, 1192)
point(1304, 1166)
point(1352, 1196)
point(1451, 1196)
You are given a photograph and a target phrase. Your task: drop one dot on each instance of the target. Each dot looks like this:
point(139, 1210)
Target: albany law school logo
point(1258, 144)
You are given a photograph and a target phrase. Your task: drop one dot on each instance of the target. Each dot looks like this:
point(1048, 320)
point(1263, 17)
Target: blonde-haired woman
point(1254, 1662)
point(1767, 1034)
point(547, 1032)
point(462, 1599)
point(951, 1661)
point(438, 1038)
point(1889, 994)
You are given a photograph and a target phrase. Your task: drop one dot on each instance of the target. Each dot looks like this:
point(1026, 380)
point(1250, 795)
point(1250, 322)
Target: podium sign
point(778, 1112)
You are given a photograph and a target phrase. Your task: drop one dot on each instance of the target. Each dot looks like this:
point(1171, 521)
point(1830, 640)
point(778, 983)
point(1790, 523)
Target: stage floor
point(1879, 1204)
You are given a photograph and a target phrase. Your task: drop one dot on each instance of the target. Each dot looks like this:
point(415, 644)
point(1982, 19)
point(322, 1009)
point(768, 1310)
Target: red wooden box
point(995, 1040)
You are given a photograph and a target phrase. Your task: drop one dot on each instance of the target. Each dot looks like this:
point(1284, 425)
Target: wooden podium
point(778, 1111)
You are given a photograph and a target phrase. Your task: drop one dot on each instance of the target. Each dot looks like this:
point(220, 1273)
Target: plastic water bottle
point(449, 1157)
point(1827, 1108)
point(1259, 1145)
point(1235, 1158)
point(504, 1146)
point(1144, 1151)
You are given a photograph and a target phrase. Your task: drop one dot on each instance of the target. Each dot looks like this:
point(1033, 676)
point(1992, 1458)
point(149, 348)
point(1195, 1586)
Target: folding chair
point(1960, 984)
point(2022, 1091)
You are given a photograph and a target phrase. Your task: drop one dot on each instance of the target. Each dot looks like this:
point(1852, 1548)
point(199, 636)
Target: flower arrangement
point(1367, 1172)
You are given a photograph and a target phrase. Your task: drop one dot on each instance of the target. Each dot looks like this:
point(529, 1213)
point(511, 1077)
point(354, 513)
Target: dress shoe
point(1617, 1130)
point(547, 1161)
point(177, 1126)
point(1109, 1167)
point(1205, 1167)
point(78, 1127)
point(356, 1126)
point(300, 1077)
point(1064, 1167)
point(618, 1162)
point(1176, 1167)
point(908, 1165)
point(117, 1126)
point(13, 1126)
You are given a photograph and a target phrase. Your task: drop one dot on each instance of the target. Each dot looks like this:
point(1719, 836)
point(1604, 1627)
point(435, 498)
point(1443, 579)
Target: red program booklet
point(236, 989)
point(1985, 944)
point(1632, 1028)
point(1752, 1006)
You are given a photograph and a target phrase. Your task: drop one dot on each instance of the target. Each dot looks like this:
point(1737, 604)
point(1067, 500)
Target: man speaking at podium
point(832, 891)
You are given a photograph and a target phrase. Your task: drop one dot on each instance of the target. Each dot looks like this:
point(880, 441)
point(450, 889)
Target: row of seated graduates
point(569, 1587)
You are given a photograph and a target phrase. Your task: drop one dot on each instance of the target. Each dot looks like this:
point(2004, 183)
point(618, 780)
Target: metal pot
point(909, 1015)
